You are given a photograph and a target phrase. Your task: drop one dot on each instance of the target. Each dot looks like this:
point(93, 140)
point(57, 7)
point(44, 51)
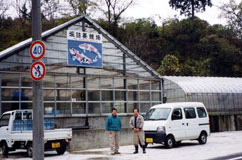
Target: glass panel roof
point(208, 84)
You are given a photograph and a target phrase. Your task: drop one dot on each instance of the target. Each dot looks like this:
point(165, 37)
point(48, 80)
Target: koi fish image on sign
point(80, 57)
point(88, 47)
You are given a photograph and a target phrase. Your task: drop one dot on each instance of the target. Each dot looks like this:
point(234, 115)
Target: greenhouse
point(88, 72)
point(222, 97)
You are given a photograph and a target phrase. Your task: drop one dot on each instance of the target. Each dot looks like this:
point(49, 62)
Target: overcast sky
point(161, 8)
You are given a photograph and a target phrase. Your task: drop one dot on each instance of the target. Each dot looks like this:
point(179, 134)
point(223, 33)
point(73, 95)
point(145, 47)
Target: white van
point(171, 123)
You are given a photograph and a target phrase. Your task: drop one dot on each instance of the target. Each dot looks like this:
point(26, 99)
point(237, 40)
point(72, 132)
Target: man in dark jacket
point(136, 123)
point(113, 126)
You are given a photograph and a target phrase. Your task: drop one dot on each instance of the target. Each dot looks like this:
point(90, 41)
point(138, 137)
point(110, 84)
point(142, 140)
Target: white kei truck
point(16, 133)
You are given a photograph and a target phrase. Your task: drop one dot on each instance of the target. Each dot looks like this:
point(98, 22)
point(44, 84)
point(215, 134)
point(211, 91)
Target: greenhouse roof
point(208, 84)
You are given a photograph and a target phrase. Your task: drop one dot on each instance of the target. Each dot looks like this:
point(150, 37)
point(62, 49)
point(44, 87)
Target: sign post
point(38, 118)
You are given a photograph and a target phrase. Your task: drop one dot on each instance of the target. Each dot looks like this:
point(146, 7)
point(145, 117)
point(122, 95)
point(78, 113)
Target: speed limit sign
point(37, 50)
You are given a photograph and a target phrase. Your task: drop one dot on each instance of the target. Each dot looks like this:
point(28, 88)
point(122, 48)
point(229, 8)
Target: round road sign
point(37, 70)
point(37, 50)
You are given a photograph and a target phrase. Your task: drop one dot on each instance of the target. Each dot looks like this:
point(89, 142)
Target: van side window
point(190, 113)
point(201, 112)
point(4, 120)
point(176, 114)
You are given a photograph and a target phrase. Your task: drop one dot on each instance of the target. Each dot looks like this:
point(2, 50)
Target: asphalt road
point(220, 146)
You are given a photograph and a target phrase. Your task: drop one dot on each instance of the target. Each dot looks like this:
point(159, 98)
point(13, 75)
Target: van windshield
point(157, 114)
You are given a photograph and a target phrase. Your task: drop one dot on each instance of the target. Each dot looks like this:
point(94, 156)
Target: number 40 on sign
point(37, 50)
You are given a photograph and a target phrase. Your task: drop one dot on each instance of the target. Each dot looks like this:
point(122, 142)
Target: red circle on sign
point(38, 46)
point(37, 70)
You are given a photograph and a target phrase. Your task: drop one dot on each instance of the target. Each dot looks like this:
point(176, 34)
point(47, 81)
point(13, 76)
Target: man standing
point(136, 123)
point(113, 126)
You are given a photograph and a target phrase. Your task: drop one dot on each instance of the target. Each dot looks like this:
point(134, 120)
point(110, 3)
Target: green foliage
point(189, 7)
point(169, 66)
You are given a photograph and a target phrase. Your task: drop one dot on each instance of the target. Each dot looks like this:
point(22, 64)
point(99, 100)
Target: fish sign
point(37, 50)
point(37, 70)
point(84, 49)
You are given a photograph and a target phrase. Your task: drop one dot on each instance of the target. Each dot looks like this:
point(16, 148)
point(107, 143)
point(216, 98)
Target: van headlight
point(161, 129)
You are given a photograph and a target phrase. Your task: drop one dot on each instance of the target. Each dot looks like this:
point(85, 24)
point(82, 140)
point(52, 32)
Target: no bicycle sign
point(37, 71)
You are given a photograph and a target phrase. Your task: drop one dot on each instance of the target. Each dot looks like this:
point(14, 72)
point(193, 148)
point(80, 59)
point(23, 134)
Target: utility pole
point(38, 125)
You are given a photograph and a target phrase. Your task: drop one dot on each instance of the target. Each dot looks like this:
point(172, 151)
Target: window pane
point(62, 82)
point(144, 107)
point(131, 107)
point(177, 114)
point(9, 94)
point(78, 95)
point(132, 84)
point(94, 95)
point(10, 79)
point(107, 95)
point(26, 80)
point(119, 95)
point(107, 107)
point(63, 95)
point(93, 82)
point(120, 107)
point(63, 108)
point(133, 96)
point(94, 108)
point(49, 94)
point(119, 83)
point(106, 83)
point(201, 112)
point(77, 82)
point(144, 96)
point(155, 96)
point(144, 85)
point(190, 113)
point(78, 108)
point(155, 85)
point(49, 108)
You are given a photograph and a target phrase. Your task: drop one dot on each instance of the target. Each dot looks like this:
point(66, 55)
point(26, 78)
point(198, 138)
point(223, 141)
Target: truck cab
point(16, 133)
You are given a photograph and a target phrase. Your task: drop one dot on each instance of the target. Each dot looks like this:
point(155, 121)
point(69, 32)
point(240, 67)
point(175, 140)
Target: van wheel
point(30, 151)
point(169, 142)
point(61, 150)
point(5, 148)
point(202, 138)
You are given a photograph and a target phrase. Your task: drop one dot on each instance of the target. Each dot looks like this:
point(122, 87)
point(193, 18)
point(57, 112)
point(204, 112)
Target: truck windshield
point(157, 114)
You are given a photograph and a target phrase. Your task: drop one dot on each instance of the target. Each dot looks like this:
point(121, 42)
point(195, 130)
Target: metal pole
point(38, 125)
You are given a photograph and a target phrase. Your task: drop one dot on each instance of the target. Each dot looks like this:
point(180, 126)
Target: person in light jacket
point(136, 123)
point(113, 126)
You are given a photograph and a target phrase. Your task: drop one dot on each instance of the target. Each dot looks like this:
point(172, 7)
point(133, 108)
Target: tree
point(233, 13)
point(115, 8)
point(189, 7)
point(3, 8)
point(81, 7)
point(169, 66)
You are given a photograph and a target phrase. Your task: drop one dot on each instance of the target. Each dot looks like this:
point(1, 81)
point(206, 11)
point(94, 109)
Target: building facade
point(77, 93)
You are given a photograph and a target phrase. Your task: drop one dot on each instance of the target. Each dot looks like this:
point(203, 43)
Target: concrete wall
point(96, 136)
point(220, 123)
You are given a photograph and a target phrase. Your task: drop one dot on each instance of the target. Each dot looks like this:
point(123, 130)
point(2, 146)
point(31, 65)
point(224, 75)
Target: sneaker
point(117, 152)
point(112, 153)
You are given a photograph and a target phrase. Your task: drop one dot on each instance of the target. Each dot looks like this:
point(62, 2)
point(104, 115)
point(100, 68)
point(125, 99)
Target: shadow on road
point(23, 154)
point(181, 145)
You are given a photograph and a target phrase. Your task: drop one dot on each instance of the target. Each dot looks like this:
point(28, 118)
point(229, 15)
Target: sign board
point(37, 50)
point(84, 49)
point(37, 70)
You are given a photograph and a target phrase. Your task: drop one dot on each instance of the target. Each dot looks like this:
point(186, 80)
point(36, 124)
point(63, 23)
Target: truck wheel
point(30, 151)
point(61, 150)
point(5, 148)
point(202, 138)
point(169, 142)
